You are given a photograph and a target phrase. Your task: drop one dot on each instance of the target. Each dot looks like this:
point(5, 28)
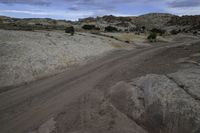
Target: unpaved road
point(57, 101)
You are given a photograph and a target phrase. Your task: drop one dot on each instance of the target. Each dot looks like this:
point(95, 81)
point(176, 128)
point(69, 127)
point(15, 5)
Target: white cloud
point(184, 10)
point(73, 15)
point(74, 9)
point(24, 12)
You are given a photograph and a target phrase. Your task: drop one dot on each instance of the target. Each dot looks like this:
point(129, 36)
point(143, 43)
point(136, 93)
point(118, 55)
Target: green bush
point(195, 32)
point(89, 27)
point(143, 28)
point(70, 30)
point(97, 28)
point(175, 32)
point(152, 36)
point(111, 29)
point(158, 31)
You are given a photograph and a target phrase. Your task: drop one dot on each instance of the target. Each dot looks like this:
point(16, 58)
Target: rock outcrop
point(149, 104)
point(162, 103)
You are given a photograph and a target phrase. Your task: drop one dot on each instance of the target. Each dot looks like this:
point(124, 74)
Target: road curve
point(26, 107)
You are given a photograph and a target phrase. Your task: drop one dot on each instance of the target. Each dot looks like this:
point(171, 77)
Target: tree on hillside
point(152, 36)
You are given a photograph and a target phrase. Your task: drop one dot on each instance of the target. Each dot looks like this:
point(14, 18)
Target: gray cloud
point(30, 2)
point(185, 3)
point(94, 3)
point(105, 5)
point(91, 5)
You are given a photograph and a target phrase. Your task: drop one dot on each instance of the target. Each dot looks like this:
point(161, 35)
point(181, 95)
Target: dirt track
point(63, 100)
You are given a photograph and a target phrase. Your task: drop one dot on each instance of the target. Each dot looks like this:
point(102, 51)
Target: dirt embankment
point(27, 56)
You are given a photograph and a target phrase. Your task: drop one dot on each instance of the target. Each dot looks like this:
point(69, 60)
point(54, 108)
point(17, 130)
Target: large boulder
point(162, 103)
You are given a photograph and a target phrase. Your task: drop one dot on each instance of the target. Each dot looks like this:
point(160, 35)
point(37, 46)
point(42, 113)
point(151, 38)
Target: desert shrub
point(152, 36)
point(137, 33)
point(143, 28)
point(174, 32)
point(97, 28)
point(89, 27)
point(195, 32)
point(184, 30)
point(70, 30)
point(54, 22)
point(38, 24)
point(158, 31)
point(111, 29)
point(112, 37)
point(133, 29)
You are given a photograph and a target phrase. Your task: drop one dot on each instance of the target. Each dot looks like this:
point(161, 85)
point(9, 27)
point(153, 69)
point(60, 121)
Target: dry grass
point(131, 37)
point(116, 45)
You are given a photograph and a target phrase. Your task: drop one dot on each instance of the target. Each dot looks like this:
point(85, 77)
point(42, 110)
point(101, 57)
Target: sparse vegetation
point(195, 32)
point(143, 28)
point(70, 30)
point(111, 29)
point(127, 37)
point(152, 36)
point(89, 27)
point(175, 32)
point(158, 31)
point(97, 28)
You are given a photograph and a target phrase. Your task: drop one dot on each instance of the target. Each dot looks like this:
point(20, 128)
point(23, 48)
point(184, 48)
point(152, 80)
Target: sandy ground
point(139, 40)
point(26, 56)
point(77, 101)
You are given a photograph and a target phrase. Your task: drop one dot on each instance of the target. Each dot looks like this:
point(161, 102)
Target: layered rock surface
point(149, 104)
point(162, 103)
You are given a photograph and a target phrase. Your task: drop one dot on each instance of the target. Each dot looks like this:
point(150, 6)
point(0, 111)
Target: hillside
point(132, 23)
point(188, 22)
point(32, 23)
point(148, 21)
point(153, 20)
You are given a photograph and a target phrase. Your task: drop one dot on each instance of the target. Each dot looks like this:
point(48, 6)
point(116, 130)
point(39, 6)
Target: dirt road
point(59, 104)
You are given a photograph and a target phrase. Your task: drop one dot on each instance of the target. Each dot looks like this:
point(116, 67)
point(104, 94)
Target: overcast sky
point(74, 9)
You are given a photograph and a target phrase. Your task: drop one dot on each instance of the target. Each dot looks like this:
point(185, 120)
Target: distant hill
point(132, 23)
point(32, 23)
point(148, 21)
point(153, 20)
point(192, 22)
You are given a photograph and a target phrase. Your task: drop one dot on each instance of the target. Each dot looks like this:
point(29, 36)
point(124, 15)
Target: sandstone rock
point(162, 103)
